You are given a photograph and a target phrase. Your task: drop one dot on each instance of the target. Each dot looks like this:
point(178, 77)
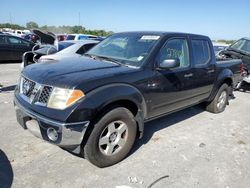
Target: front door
point(170, 87)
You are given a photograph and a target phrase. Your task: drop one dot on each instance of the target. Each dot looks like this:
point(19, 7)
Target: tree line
point(57, 29)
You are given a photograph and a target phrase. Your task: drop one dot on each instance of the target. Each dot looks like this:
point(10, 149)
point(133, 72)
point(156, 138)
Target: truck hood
point(69, 72)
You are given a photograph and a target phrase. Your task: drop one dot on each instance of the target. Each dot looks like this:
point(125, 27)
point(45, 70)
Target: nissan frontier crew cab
point(96, 105)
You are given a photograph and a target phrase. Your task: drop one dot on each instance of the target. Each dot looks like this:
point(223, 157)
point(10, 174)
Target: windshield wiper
point(103, 58)
point(110, 59)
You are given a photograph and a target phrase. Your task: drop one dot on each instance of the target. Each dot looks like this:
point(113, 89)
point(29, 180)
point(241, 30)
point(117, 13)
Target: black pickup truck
point(96, 105)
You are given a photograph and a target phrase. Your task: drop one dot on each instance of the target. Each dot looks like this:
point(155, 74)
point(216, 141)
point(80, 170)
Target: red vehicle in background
point(61, 37)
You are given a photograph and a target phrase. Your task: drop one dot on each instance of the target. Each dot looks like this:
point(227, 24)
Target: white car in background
point(219, 47)
point(64, 49)
point(76, 49)
point(83, 37)
point(21, 33)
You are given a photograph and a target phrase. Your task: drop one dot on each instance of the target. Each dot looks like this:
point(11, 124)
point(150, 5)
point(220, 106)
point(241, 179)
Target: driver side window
point(175, 49)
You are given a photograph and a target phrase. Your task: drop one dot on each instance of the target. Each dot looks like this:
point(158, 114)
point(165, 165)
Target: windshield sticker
point(173, 53)
point(150, 37)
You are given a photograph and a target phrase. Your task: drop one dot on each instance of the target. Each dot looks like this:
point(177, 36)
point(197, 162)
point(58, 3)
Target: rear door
point(170, 87)
point(204, 67)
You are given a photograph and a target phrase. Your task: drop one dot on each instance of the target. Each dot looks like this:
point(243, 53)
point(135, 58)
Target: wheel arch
point(225, 77)
point(108, 97)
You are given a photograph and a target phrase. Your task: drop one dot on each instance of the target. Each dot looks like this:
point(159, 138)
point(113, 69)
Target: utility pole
point(10, 18)
point(79, 18)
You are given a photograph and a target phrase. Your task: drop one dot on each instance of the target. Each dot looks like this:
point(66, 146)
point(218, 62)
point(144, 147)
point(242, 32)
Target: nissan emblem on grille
point(26, 87)
point(29, 90)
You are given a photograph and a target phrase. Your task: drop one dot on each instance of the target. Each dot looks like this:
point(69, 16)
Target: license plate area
point(21, 117)
point(34, 128)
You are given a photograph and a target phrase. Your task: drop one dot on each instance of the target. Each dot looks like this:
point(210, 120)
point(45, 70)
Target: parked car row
point(12, 47)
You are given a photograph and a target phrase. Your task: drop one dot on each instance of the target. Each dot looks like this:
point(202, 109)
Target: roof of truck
point(161, 33)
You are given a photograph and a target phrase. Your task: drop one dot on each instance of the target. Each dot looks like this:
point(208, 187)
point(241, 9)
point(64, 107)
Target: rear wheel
point(112, 138)
point(218, 104)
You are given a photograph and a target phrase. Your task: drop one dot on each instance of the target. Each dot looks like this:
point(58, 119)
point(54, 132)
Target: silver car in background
point(219, 47)
point(65, 49)
point(77, 49)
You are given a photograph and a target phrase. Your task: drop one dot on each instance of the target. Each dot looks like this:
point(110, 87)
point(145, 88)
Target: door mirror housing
point(170, 63)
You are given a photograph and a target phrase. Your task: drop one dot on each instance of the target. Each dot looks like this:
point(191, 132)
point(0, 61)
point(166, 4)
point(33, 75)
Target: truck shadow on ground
point(155, 125)
point(6, 172)
point(7, 88)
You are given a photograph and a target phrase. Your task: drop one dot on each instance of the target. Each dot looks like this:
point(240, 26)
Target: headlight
point(62, 98)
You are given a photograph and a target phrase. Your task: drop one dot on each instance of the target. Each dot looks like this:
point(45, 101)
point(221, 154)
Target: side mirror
point(170, 63)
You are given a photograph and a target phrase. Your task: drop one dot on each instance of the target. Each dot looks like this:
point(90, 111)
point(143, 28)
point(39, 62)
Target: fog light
point(52, 134)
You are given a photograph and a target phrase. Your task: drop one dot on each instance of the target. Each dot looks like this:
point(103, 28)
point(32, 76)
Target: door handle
point(188, 75)
point(210, 70)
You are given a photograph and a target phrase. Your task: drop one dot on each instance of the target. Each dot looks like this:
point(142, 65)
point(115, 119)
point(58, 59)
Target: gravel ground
point(190, 148)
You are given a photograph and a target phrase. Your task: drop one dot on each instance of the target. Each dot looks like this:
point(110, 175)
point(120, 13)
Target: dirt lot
point(191, 148)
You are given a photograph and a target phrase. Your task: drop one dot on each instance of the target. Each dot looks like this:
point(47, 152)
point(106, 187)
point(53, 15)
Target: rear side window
point(63, 45)
point(85, 48)
point(82, 37)
point(201, 52)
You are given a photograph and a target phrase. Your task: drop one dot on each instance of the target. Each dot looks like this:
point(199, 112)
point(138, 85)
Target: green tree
point(58, 29)
point(77, 29)
point(31, 25)
point(12, 26)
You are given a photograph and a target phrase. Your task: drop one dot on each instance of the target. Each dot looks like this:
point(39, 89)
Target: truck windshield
point(131, 49)
point(242, 45)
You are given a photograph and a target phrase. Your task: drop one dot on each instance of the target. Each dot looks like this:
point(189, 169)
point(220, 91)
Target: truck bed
point(233, 64)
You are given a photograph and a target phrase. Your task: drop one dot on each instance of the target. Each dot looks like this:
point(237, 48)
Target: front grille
point(44, 96)
point(27, 87)
point(34, 92)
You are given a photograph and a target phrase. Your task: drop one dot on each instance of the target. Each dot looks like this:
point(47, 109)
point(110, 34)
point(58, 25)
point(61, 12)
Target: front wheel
point(218, 104)
point(112, 138)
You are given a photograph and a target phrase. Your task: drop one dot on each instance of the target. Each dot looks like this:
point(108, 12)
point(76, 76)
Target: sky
point(219, 19)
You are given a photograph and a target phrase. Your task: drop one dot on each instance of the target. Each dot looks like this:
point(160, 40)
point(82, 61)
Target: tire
point(220, 101)
point(111, 138)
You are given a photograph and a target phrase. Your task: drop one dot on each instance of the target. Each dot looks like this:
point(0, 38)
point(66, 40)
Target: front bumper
point(70, 135)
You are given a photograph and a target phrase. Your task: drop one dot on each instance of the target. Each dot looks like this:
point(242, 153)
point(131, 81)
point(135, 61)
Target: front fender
point(96, 100)
point(107, 94)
